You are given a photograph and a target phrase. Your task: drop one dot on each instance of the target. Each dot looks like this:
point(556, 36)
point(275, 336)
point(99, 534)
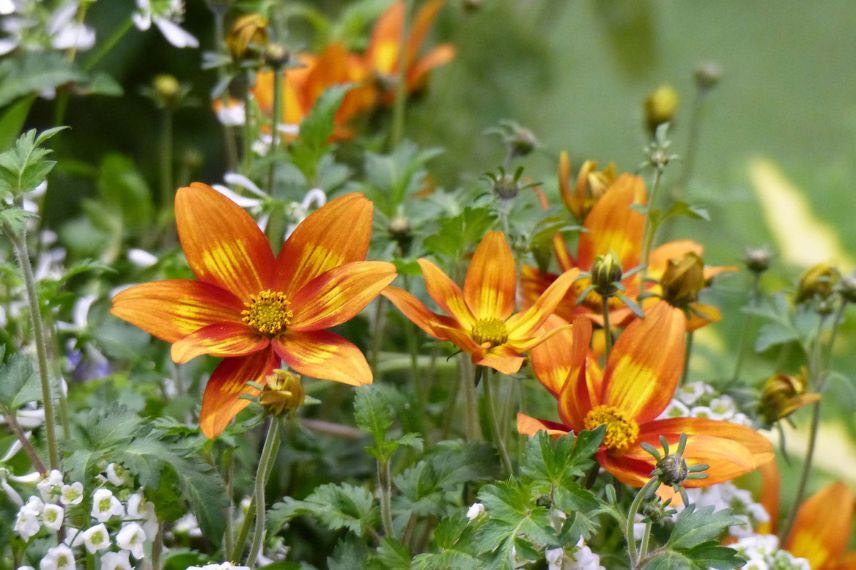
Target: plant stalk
point(607, 331)
point(494, 418)
point(688, 352)
point(384, 480)
point(265, 465)
point(400, 103)
point(276, 223)
point(643, 493)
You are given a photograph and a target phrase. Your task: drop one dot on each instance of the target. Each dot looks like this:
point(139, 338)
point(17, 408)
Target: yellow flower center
point(490, 331)
point(621, 431)
point(268, 312)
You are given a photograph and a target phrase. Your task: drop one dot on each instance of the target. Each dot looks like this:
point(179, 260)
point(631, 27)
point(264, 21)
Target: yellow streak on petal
point(225, 258)
point(802, 238)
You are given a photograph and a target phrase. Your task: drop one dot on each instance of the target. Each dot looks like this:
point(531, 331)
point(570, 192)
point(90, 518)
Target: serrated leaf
point(694, 526)
point(316, 130)
point(457, 234)
point(335, 506)
point(34, 73)
point(25, 165)
point(348, 555)
point(391, 178)
point(18, 383)
point(391, 555)
point(556, 461)
point(703, 557)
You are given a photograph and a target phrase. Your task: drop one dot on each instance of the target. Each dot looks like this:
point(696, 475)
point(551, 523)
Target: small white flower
point(141, 258)
point(116, 475)
point(231, 113)
point(96, 538)
point(52, 516)
point(140, 509)
point(691, 392)
point(724, 406)
point(132, 537)
point(58, 558)
point(105, 505)
point(71, 494)
point(475, 510)
point(73, 536)
point(675, 409)
point(187, 525)
point(66, 32)
point(30, 419)
point(27, 523)
point(165, 14)
point(702, 412)
point(116, 561)
point(7, 7)
point(51, 486)
point(26, 568)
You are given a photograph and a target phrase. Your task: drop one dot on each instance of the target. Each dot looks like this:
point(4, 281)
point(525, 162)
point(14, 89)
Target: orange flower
point(822, 526)
point(384, 54)
point(590, 187)
point(480, 320)
point(254, 309)
point(640, 378)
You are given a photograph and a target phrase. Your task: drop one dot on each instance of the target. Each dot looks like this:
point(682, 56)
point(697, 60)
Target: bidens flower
point(254, 309)
point(480, 319)
point(640, 378)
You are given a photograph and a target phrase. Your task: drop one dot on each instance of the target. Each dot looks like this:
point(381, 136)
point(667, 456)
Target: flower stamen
point(621, 431)
point(490, 331)
point(268, 312)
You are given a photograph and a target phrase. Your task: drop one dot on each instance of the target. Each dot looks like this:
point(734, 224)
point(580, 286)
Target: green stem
point(19, 243)
point(687, 355)
point(247, 136)
point(265, 465)
point(377, 334)
point(607, 331)
point(229, 531)
point(276, 223)
point(646, 538)
point(494, 418)
point(650, 230)
point(109, 44)
point(157, 548)
point(643, 493)
point(743, 345)
point(384, 480)
point(35, 460)
point(472, 427)
point(243, 533)
point(401, 80)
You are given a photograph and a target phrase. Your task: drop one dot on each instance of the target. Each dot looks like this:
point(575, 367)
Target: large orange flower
point(640, 378)
point(384, 54)
point(254, 309)
point(481, 319)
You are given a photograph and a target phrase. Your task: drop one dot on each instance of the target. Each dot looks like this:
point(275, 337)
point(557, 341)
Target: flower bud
point(401, 232)
point(591, 185)
point(673, 470)
point(276, 55)
point(248, 32)
point(283, 393)
point(707, 75)
point(782, 395)
point(660, 107)
point(605, 273)
point(506, 187)
point(683, 280)
point(166, 88)
point(757, 259)
point(817, 281)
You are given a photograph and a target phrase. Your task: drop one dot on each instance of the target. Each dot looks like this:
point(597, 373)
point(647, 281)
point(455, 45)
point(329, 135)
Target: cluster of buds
point(590, 186)
point(782, 395)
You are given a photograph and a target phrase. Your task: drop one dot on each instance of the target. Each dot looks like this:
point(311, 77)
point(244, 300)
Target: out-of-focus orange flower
point(822, 526)
point(640, 378)
point(481, 319)
point(590, 186)
point(253, 309)
point(385, 51)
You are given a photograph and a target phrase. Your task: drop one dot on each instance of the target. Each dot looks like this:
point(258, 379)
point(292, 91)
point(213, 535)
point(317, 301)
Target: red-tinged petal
point(336, 233)
point(324, 355)
point(422, 24)
point(462, 340)
point(701, 315)
point(563, 254)
point(533, 283)
point(822, 527)
point(491, 282)
point(171, 310)
point(503, 359)
point(417, 312)
point(222, 243)
point(660, 256)
point(339, 294)
point(527, 425)
point(770, 492)
point(581, 391)
point(552, 359)
point(221, 340)
point(446, 294)
point(646, 362)
point(523, 324)
point(731, 450)
point(613, 226)
point(222, 400)
point(437, 57)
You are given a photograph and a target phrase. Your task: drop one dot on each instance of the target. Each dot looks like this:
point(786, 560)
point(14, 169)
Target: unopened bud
point(248, 32)
point(683, 280)
point(817, 281)
point(167, 88)
point(283, 393)
point(707, 75)
point(782, 395)
point(673, 470)
point(660, 107)
point(506, 187)
point(606, 273)
point(276, 55)
point(757, 259)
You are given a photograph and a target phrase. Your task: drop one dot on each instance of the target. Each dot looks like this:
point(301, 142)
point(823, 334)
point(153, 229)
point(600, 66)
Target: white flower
point(71, 494)
point(223, 566)
point(73, 536)
point(79, 314)
point(27, 522)
point(187, 525)
point(116, 561)
point(116, 475)
point(26, 568)
point(140, 509)
point(58, 558)
point(165, 14)
point(105, 505)
point(7, 7)
point(30, 419)
point(51, 486)
point(690, 393)
point(475, 510)
point(675, 409)
point(141, 258)
point(52, 516)
point(230, 113)
point(66, 32)
point(132, 537)
point(96, 538)
point(702, 412)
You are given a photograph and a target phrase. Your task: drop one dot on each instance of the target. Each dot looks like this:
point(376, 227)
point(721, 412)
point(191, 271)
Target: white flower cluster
point(127, 523)
point(28, 26)
point(762, 552)
point(699, 400)
point(727, 495)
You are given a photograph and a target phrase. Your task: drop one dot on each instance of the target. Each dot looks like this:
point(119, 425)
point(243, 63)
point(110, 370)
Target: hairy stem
point(276, 223)
point(688, 352)
point(650, 230)
point(643, 493)
point(472, 427)
point(384, 480)
point(607, 331)
point(262, 474)
point(743, 343)
point(494, 418)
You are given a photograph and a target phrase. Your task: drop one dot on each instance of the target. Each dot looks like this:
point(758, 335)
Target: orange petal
point(523, 324)
point(446, 293)
point(491, 282)
point(581, 391)
point(222, 400)
point(572, 202)
point(552, 359)
point(337, 233)
point(613, 226)
point(462, 340)
point(563, 254)
point(220, 340)
point(770, 490)
point(530, 426)
point(437, 57)
point(417, 312)
point(701, 315)
point(502, 358)
point(324, 355)
point(385, 43)
point(731, 450)
point(339, 294)
point(222, 243)
point(421, 25)
point(171, 310)
point(646, 362)
point(822, 527)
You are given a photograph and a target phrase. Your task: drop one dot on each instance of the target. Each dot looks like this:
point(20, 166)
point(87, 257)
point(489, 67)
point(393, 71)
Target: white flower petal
point(175, 34)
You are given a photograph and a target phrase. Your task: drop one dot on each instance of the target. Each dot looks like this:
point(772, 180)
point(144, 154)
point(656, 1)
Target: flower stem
point(384, 481)
point(26, 445)
point(157, 548)
point(19, 243)
point(607, 331)
point(643, 493)
point(276, 223)
point(109, 44)
point(472, 427)
point(646, 538)
point(743, 345)
point(265, 465)
point(688, 352)
point(650, 230)
point(494, 418)
point(377, 333)
point(401, 80)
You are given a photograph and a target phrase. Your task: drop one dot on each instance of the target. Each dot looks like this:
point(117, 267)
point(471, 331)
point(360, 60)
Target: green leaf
point(335, 506)
point(33, 73)
point(12, 120)
point(558, 461)
point(374, 411)
point(391, 178)
point(18, 383)
point(348, 555)
point(456, 235)
point(702, 557)
point(316, 130)
point(694, 526)
point(391, 555)
point(25, 165)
